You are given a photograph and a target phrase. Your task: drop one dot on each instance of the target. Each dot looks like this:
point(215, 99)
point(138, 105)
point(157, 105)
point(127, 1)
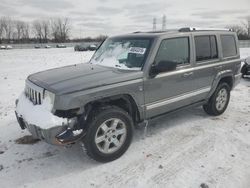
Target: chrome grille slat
point(39, 98)
point(34, 93)
point(29, 93)
point(36, 97)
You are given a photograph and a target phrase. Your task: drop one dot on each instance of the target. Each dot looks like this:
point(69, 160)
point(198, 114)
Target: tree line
point(58, 30)
point(38, 31)
point(242, 29)
point(42, 31)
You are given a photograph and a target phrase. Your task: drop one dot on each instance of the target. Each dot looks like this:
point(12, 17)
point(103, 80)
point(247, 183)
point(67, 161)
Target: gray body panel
point(80, 77)
point(81, 98)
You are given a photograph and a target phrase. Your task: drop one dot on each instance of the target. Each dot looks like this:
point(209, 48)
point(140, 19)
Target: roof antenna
point(154, 24)
point(164, 21)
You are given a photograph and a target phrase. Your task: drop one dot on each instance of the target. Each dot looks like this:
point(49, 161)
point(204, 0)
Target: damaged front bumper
point(65, 133)
point(57, 135)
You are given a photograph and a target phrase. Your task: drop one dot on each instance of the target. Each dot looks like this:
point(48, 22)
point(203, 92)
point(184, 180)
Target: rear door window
point(228, 45)
point(206, 47)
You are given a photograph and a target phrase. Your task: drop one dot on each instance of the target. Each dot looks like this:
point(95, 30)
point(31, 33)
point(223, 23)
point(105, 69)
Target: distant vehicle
point(37, 46)
point(9, 47)
point(245, 70)
point(60, 46)
point(47, 46)
point(92, 47)
point(85, 47)
point(81, 47)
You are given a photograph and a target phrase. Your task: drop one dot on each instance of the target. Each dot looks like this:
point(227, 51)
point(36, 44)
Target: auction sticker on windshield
point(137, 50)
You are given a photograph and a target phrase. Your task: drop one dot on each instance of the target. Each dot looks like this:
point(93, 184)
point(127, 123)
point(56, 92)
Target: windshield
point(122, 53)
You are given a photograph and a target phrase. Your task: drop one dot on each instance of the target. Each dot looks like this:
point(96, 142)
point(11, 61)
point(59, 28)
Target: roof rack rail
point(189, 29)
point(137, 32)
point(157, 31)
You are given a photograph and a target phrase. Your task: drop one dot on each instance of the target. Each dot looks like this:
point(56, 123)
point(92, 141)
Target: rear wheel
point(218, 102)
point(243, 70)
point(109, 134)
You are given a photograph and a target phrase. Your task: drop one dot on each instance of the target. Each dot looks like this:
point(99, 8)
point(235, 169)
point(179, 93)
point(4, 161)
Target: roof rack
point(157, 31)
point(189, 29)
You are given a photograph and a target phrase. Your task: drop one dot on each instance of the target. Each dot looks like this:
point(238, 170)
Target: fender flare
point(220, 75)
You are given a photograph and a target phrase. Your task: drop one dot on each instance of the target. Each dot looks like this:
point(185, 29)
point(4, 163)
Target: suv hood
point(81, 77)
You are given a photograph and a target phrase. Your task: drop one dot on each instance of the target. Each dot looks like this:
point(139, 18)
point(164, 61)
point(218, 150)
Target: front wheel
point(109, 134)
point(218, 102)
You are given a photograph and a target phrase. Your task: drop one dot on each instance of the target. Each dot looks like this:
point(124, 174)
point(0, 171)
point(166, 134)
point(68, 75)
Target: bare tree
point(19, 29)
point(60, 29)
point(26, 31)
point(248, 26)
point(8, 28)
point(37, 29)
point(2, 23)
point(239, 30)
point(41, 30)
point(45, 29)
point(55, 30)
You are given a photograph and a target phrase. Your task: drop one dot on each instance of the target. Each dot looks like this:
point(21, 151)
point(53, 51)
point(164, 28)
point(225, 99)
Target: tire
point(244, 70)
point(109, 134)
point(218, 102)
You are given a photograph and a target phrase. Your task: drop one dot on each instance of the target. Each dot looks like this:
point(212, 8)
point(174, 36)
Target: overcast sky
point(94, 17)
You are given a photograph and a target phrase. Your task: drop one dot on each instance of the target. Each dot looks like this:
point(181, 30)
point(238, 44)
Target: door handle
point(218, 67)
point(187, 74)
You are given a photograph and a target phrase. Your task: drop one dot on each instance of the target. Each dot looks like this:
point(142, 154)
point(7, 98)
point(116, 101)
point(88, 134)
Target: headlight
point(49, 97)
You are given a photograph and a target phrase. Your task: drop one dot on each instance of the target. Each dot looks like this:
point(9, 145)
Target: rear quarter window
point(228, 45)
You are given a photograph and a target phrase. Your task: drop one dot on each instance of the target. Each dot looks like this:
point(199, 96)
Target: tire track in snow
point(184, 159)
point(134, 171)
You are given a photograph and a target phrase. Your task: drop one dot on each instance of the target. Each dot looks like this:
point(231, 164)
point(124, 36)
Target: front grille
point(34, 93)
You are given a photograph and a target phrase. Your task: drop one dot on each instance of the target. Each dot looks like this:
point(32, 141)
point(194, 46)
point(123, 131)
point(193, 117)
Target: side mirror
point(163, 66)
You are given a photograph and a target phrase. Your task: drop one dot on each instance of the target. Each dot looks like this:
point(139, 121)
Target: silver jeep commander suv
point(130, 79)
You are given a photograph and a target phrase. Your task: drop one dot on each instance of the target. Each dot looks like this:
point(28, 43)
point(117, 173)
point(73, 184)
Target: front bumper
point(44, 125)
point(48, 135)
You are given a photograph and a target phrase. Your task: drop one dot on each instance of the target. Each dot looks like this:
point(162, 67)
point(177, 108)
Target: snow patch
point(77, 132)
point(39, 115)
point(110, 58)
point(113, 62)
point(244, 53)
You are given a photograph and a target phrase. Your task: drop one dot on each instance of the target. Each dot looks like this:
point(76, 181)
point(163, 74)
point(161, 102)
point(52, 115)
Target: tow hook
point(69, 136)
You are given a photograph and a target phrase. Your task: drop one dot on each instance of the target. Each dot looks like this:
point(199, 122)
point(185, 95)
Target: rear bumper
point(237, 78)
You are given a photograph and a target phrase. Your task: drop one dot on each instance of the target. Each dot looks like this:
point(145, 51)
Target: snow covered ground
point(184, 149)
